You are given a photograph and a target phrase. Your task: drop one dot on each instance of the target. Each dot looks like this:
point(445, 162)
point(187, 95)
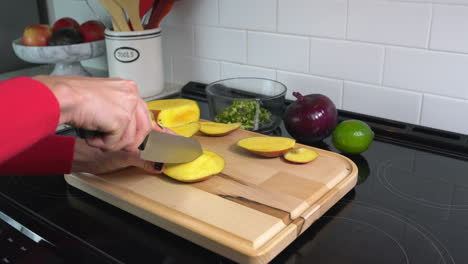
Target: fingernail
point(158, 166)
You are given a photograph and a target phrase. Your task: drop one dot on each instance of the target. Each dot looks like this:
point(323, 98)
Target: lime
point(352, 136)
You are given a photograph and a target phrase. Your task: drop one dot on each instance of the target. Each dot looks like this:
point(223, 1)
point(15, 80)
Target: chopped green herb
point(244, 111)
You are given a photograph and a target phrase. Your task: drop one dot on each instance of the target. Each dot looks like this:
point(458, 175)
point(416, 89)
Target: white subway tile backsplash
point(346, 60)
point(204, 12)
point(307, 84)
point(248, 14)
point(188, 69)
point(177, 39)
point(445, 113)
point(397, 59)
point(430, 72)
point(232, 70)
point(389, 22)
point(278, 51)
point(220, 43)
point(382, 102)
point(450, 28)
point(313, 17)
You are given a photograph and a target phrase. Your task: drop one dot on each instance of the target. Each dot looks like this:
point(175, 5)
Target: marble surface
point(67, 58)
point(59, 54)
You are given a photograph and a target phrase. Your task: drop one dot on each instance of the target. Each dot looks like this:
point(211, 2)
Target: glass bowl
point(257, 103)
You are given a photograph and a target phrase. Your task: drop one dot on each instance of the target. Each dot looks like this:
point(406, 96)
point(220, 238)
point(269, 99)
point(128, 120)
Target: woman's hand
point(108, 105)
point(95, 161)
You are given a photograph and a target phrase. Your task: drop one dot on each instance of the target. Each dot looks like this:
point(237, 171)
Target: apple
point(92, 30)
point(65, 22)
point(37, 35)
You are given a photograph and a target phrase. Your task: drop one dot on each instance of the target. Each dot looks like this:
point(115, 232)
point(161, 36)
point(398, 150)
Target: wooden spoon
point(158, 12)
point(118, 18)
point(131, 7)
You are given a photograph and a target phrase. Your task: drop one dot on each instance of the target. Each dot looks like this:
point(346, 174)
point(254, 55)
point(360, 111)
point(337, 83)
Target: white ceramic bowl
point(67, 58)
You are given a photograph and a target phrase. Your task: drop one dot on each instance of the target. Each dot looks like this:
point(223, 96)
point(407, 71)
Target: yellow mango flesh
point(187, 130)
point(174, 112)
point(218, 129)
point(301, 155)
point(207, 165)
point(267, 146)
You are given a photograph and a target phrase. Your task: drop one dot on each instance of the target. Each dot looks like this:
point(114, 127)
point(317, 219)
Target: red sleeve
point(29, 112)
point(51, 155)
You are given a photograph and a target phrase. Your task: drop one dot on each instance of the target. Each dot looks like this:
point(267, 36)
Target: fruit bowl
point(257, 103)
point(67, 58)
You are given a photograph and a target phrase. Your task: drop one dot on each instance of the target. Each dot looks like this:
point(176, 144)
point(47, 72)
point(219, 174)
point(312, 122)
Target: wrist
point(66, 96)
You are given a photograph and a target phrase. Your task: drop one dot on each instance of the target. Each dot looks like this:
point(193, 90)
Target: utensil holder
point(137, 56)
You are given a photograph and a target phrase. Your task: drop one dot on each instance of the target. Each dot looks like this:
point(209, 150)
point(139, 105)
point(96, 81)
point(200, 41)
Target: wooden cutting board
point(248, 213)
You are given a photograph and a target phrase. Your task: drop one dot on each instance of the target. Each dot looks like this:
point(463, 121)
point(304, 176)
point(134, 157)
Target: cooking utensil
point(132, 9)
point(145, 6)
point(167, 148)
point(162, 147)
point(118, 17)
point(160, 10)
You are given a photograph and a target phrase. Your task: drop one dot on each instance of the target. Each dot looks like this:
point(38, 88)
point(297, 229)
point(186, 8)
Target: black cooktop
point(410, 206)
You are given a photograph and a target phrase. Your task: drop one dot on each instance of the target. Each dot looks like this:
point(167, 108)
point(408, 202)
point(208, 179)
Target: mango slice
point(267, 146)
point(218, 129)
point(187, 130)
point(174, 112)
point(300, 155)
point(205, 166)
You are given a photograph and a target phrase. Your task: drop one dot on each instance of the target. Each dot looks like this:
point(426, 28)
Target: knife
point(167, 148)
point(162, 147)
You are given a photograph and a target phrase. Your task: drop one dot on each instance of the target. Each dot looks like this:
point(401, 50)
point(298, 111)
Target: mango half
point(174, 112)
point(203, 167)
point(267, 146)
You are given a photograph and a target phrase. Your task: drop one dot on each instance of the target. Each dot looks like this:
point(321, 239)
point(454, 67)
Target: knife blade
point(161, 147)
point(167, 148)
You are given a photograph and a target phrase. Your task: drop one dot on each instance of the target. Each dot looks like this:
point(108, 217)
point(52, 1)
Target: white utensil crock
point(137, 56)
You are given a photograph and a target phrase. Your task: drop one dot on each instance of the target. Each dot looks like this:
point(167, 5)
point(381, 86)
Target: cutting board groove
point(249, 213)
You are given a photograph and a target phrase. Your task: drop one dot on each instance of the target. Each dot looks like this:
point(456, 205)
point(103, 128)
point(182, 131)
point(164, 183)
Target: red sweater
point(29, 115)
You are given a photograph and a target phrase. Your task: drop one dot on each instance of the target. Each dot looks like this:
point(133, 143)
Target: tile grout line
point(219, 12)
point(423, 95)
point(383, 66)
point(277, 16)
point(347, 19)
point(431, 25)
point(309, 54)
point(246, 47)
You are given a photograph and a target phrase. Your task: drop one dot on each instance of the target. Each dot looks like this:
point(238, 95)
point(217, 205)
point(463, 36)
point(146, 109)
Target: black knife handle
point(84, 134)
